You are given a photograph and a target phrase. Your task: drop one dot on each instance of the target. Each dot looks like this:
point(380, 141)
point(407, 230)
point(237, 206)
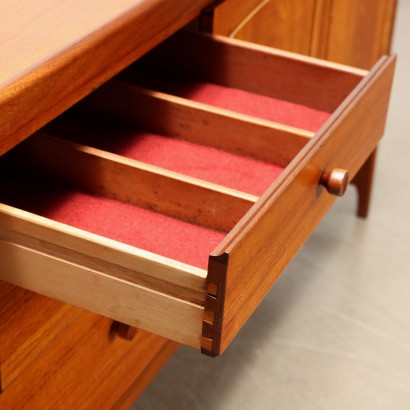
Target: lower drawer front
point(186, 191)
point(88, 366)
point(29, 323)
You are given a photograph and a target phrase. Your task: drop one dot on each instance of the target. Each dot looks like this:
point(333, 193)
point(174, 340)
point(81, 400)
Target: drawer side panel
point(101, 293)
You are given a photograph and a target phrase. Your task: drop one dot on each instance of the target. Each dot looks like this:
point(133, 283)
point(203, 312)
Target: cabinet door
point(187, 250)
point(346, 31)
point(356, 32)
point(285, 24)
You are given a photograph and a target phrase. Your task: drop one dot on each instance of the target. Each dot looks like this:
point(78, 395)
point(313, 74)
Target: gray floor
point(334, 332)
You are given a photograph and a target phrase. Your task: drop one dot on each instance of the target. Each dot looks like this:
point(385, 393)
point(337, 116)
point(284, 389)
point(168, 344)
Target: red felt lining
point(244, 102)
point(125, 223)
point(206, 163)
point(145, 229)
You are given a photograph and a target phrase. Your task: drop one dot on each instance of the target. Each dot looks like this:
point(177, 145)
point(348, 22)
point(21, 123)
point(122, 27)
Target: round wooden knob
point(336, 181)
point(124, 331)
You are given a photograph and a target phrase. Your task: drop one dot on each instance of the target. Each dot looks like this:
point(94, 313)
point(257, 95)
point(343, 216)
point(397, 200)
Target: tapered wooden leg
point(363, 181)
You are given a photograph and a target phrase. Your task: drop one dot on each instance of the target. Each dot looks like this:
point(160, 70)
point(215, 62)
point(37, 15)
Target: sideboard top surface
point(54, 53)
point(35, 32)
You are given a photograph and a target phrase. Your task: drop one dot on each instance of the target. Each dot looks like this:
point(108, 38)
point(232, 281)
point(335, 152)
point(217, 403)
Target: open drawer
point(173, 197)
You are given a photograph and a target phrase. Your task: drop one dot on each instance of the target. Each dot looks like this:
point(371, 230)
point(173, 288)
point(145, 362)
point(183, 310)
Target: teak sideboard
point(159, 173)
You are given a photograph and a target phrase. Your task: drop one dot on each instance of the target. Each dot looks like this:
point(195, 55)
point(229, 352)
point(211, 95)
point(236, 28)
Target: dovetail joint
point(213, 311)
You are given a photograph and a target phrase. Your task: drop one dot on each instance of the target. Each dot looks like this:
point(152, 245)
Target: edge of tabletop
point(68, 68)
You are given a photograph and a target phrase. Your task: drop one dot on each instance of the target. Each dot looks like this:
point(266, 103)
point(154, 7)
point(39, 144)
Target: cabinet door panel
point(359, 31)
point(346, 31)
point(231, 13)
point(286, 24)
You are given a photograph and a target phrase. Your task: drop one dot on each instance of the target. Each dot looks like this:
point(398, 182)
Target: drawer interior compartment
point(173, 196)
point(168, 213)
point(187, 157)
point(180, 82)
point(205, 66)
point(123, 222)
point(161, 197)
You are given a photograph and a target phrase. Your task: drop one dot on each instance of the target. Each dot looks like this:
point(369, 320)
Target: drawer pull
point(124, 331)
point(336, 181)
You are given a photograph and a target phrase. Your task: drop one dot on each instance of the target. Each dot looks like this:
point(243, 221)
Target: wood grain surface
point(53, 54)
point(257, 251)
point(233, 63)
point(113, 176)
point(363, 182)
point(159, 359)
point(101, 293)
point(96, 276)
point(29, 322)
point(284, 24)
point(87, 350)
point(230, 14)
point(366, 24)
point(46, 66)
point(64, 240)
point(198, 123)
point(347, 31)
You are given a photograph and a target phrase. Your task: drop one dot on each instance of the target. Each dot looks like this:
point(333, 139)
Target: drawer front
point(29, 323)
point(88, 366)
point(255, 237)
point(259, 248)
